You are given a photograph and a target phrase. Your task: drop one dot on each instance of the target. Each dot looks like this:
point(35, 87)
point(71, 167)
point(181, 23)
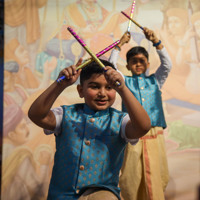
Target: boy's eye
point(142, 61)
point(109, 88)
point(94, 86)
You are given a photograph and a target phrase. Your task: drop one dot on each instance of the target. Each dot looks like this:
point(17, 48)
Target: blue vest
point(147, 92)
point(89, 152)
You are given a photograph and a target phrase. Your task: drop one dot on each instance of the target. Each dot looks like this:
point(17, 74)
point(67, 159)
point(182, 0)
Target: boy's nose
point(101, 92)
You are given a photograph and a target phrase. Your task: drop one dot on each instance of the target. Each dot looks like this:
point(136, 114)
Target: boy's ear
point(80, 91)
point(148, 65)
point(127, 66)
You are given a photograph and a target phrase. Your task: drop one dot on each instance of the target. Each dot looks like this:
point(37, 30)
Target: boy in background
point(144, 174)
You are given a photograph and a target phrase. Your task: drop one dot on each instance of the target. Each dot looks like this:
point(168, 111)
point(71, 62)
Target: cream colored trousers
point(144, 174)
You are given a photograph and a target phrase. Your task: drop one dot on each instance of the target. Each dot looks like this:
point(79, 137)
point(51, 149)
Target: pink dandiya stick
point(88, 50)
point(98, 54)
point(94, 57)
point(131, 16)
point(132, 20)
point(90, 60)
point(82, 43)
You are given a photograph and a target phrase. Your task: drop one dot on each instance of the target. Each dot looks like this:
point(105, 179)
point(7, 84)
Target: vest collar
point(89, 111)
point(137, 76)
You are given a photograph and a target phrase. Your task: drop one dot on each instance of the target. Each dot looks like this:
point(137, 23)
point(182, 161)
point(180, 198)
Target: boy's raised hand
point(124, 39)
point(112, 76)
point(150, 35)
point(71, 74)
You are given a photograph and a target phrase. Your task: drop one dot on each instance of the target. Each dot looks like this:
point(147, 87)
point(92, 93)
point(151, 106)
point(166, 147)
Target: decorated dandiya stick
point(132, 20)
point(99, 54)
point(131, 16)
point(90, 60)
point(82, 43)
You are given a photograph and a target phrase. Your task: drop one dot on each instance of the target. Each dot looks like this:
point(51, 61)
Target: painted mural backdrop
point(38, 45)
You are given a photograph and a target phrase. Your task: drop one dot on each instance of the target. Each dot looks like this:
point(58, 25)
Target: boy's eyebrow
point(92, 82)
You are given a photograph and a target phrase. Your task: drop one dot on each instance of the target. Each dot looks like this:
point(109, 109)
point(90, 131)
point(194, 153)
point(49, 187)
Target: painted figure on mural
point(22, 21)
point(13, 93)
point(176, 33)
point(15, 129)
point(23, 177)
point(193, 81)
point(25, 76)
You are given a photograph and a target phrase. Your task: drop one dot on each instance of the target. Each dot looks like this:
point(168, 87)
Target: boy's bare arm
point(39, 111)
point(140, 122)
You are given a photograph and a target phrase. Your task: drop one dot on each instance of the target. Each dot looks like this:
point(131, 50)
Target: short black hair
point(93, 68)
point(135, 51)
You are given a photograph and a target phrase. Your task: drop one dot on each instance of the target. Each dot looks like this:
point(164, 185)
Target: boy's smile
point(138, 64)
point(96, 91)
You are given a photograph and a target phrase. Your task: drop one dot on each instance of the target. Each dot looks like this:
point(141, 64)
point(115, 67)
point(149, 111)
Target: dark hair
point(135, 51)
point(93, 68)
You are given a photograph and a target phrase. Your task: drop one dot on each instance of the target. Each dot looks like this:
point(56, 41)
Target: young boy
point(144, 174)
point(90, 137)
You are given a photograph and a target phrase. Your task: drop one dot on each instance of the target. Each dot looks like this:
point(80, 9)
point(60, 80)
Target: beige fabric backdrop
point(38, 45)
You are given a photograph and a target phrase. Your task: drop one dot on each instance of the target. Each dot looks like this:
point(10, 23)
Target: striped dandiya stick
point(90, 60)
point(131, 16)
point(82, 43)
point(132, 20)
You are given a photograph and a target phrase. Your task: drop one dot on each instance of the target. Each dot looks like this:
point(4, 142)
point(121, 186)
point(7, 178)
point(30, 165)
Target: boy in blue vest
point(144, 174)
point(90, 137)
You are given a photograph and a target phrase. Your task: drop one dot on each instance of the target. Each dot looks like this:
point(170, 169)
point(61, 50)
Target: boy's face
point(176, 25)
point(21, 133)
point(97, 93)
point(138, 64)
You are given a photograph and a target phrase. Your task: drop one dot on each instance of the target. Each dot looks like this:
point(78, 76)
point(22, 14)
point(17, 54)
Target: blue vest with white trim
point(89, 152)
point(147, 92)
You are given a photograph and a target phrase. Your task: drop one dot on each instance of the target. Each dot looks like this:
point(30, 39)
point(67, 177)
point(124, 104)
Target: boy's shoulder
point(116, 110)
point(140, 76)
point(78, 106)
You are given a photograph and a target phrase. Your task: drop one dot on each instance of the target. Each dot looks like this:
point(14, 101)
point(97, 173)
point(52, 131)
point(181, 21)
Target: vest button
point(87, 142)
point(143, 99)
point(142, 88)
point(140, 78)
point(92, 120)
point(81, 167)
point(77, 191)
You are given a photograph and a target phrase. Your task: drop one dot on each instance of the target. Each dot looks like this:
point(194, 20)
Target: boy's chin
point(100, 107)
point(138, 73)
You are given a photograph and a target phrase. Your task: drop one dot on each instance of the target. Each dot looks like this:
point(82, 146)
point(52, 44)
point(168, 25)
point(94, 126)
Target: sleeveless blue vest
point(147, 92)
point(89, 152)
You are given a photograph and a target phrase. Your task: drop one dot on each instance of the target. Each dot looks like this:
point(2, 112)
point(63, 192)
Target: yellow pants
point(144, 174)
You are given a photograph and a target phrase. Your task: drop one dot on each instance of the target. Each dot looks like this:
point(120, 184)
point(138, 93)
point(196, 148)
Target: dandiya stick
point(82, 43)
point(90, 60)
point(132, 20)
point(131, 16)
point(98, 54)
